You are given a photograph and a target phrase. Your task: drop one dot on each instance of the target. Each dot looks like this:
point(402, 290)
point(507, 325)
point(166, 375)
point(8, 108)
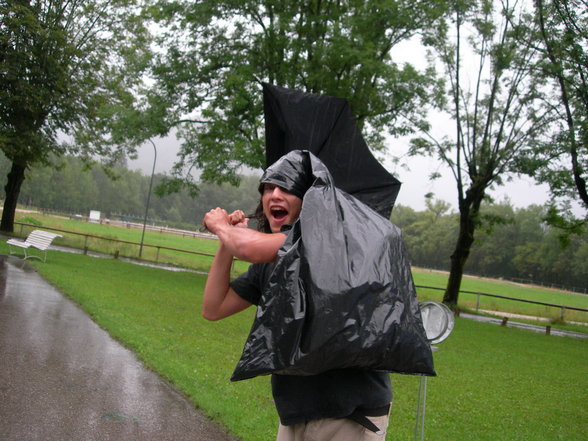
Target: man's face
point(279, 206)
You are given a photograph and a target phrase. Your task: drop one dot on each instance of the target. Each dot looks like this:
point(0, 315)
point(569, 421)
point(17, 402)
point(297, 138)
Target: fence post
point(563, 310)
point(478, 303)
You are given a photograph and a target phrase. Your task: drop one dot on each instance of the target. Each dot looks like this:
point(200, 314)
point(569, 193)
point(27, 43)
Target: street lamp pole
point(148, 197)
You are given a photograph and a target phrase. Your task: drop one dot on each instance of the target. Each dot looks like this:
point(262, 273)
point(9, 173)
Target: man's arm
point(241, 242)
point(220, 300)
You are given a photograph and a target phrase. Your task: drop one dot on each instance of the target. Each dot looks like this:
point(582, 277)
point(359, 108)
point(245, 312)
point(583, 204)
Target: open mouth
point(279, 214)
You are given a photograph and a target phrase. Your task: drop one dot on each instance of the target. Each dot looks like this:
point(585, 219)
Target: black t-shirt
point(332, 394)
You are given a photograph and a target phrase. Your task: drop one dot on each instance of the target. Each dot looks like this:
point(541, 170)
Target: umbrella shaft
point(420, 413)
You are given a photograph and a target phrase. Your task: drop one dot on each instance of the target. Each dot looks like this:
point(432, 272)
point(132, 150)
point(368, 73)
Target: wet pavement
point(64, 378)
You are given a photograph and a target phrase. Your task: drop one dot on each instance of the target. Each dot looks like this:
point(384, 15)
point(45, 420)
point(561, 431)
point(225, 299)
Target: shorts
point(334, 429)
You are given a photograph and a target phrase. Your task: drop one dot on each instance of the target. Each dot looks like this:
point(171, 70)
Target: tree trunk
point(458, 260)
point(468, 221)
point(14, 182)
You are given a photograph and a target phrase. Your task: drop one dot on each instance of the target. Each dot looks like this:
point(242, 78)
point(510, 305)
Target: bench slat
point(18, 243)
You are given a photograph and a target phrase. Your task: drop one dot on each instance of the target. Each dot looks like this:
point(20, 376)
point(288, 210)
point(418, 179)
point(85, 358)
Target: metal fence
point(158, 248)
point(478, 295)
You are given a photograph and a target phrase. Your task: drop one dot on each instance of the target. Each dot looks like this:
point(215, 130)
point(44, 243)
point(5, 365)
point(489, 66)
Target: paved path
point(62, 378)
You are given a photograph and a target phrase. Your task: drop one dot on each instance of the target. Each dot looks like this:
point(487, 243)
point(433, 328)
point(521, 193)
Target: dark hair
point(258, 216)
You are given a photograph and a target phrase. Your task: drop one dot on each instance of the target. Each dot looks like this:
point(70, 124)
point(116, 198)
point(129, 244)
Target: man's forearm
point(240, 241)
point(249, 245)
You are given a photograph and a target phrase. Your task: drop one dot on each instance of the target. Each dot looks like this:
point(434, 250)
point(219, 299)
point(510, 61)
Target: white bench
point(38, 239)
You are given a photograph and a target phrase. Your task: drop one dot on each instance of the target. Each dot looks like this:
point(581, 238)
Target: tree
point(495, 116)
point(67, 66)
point(428, 234)
point(76, 187)
point(218, 53)
point(493, 248)
point(560, 33)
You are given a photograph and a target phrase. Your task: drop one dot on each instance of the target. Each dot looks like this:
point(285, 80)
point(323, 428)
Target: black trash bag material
point(341, 293)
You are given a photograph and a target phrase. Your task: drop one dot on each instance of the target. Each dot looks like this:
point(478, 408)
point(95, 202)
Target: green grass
point(494, 383)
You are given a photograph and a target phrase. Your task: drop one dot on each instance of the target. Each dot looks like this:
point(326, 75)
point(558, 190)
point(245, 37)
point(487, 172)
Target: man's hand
point(238, 219)
point(238, 240)
point(218, 218)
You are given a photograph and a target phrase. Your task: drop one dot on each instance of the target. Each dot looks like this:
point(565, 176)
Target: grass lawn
point(494, 383)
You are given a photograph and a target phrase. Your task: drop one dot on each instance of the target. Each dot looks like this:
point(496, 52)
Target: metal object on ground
point(438, 321)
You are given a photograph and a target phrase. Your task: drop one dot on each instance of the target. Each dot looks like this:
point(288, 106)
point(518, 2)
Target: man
point(342, 404)
point(280, 208)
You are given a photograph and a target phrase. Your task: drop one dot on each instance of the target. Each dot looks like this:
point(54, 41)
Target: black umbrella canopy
point(326, 126)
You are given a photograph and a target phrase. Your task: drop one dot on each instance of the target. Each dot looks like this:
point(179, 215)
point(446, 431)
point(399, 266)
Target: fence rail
point(110, 239)
point(535, 302)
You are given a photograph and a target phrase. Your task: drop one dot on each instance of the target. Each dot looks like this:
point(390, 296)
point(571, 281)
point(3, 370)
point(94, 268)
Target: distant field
point(506, 289)
point(152, 240)
point(201, 263)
